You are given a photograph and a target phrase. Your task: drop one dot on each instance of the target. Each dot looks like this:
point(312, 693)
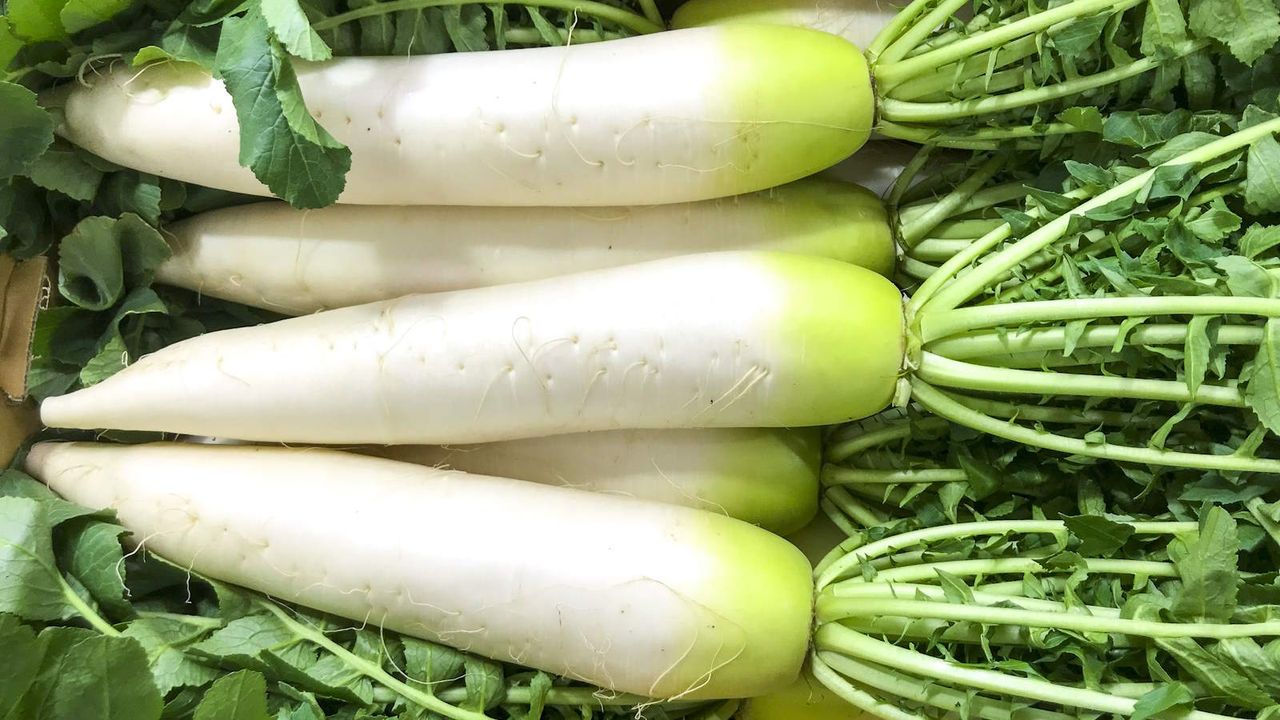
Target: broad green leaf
point(291, 26)
point(466, 27)
point(241, 642)
point(1261, 378)
point(56, 644)
point(86, 675)
point(1215, 223)
point(1206, 563)
point(29, 579)
point(19, 662)
point(163, 639)
point(9, 44)
point(485, 684)
point(327, 677)
point(430, 664)
point(1260, 665)
point(1079, 34)
point(90, 551)
point(1258, 239)
point(130, 192)
point(26, 130)
point(1165, 697)
point(1099, 536)
point(15, 483)
point(1262, 183)
point(1247, 27)
point(1163, 27)
point(1246, 278)
point(80, 15)
point(62, 169)
point(1221, 678)
point(292, 155)
point(954, 589)
point(1086, 119)
point(90, 269)
point(36, 21)
point(239, 696)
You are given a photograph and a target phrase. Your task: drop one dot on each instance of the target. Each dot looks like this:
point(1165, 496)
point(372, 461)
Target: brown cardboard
point(24, 287)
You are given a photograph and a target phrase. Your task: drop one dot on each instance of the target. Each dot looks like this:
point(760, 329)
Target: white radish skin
point(638, 597)
point(858, 21)
point(711, 340)
point(272, 256)
point(765, 477)
point(670, 117)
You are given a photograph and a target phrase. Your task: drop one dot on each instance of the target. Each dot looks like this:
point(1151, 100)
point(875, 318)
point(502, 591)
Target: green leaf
point(1258, 239)
point(539, 688)
point(80, 15)
point(1099, 536)
point(100, 677)
point(63, 169)
point(1262, 182)
point(1246, 278)
point(1261, 378)
point(485, 683)
point(19, 663)
point(954, 589)
point(1215, 223)
point(90, 551)
point(466, 25)
point(36, 21)
point(1163, 28)
point(1261, 666)
point(90, 269)
point(26, 130)
point(163, 639)
point(1165, 697)
point(287, 151)
point(239, 696)
point(242, 641)
point(289, 22)
point(9, 45)
point(1247, 27)
point(430, 664)
point(1221, 678)
point(1079, 34)
point(29, 579)
point(130, 192)
point(1206, 563)
point(1196, 349)
point(1086, 119)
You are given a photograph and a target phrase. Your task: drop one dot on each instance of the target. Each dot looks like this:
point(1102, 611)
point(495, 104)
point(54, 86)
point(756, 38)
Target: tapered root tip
point(61, 412)
point(38, 458)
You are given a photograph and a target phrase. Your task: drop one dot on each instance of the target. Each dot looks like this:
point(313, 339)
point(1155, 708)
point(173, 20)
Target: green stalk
point(920, 226)
point(860, 699)
point(899, 684)
point(1043, 413)
point(835, 609)
point(1016, 566)
point(889, 73)
point(834, 475)
point(842, 450)
point(946, 323)
point(852, 560)
point(618, 16)
point(96, 621)
point(902, 111)
point(835, 638)
point(964, 286)
point(945, 406)
point(997, 344)
point(942, 372)
point(901, 22)
point(935, 593)
point(369, 669)
point(971, 70)
point(919, 31)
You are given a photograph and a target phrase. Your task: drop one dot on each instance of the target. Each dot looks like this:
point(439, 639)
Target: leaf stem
point(623, 18)
point(943, 405)
point(369, 669)
point(889, 74)
point(96, 621)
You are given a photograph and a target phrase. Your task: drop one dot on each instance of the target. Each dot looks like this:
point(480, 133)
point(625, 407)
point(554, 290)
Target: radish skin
point(711, 340)
point(272, 256)
point(765, 477)
point(633, 596)
point(858, 21)
point(670, 117)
